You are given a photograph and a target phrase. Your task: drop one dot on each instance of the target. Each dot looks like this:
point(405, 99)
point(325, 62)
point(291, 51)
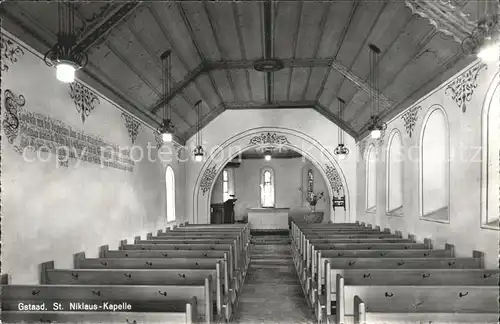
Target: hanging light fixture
point(267, 155)
point(377, 125)
point(341, 151)
point(167, 127)
point(484, 40)
point(198, 151)
point(65, 54)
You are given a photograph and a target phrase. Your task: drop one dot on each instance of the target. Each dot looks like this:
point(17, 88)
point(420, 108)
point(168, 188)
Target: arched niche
point(277, 137)
point(434, 166)
point(490, 169)
point(394, 173)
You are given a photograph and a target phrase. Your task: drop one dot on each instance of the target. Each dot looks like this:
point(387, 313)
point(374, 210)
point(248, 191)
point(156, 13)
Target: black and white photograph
point(250, 162)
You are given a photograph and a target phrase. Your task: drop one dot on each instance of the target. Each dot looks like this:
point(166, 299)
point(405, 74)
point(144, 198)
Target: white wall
point(51, 211)
point(309, 131)
point(464, 228)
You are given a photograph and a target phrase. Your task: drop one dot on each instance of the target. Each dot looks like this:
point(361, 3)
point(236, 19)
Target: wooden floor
point(272, 291)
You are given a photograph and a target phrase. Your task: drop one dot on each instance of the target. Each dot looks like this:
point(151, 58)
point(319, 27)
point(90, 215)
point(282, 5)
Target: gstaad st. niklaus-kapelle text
point(75, 306)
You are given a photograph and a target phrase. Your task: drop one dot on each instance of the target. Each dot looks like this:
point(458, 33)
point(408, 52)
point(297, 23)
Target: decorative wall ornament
point(462, 88)
point(10, 123)
point(334, 179)
point(133, 126)
point(410, 118)
point(85, 99)
point(269, 138)
point(10, 50)
point(380, 140)
point(208, 179)
point(362, 147)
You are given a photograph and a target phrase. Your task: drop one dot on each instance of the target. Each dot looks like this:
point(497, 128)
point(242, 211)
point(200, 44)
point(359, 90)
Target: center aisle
point(272, 292)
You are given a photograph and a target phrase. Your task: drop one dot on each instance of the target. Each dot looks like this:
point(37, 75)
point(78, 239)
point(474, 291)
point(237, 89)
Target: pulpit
point(222, 213)
point(229, 211)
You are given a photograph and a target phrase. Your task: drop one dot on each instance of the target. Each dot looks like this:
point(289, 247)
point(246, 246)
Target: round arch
point(293, 139)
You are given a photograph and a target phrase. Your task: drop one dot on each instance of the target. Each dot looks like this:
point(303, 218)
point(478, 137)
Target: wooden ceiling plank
point(258, 85)
point(196, 45)
point(287, 20)
point(243, 50)
point(223, 84)
point(321, 33)
point(298, 19)
point(315, 78)
point(365, 16)
point(352, 12)
point(298, 83)
point(193, 75)
point(157, 61)
point(225, 53)
point(390, 35)
point(281, 80)
point(107, 25)
point(241, 83)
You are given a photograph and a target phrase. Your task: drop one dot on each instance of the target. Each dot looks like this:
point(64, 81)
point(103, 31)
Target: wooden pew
point(169, 300)
point(178, 277)
point(335, 266)
point(237, 266)
point(420, 304)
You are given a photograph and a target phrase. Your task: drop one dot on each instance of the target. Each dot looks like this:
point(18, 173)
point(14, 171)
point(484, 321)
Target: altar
point(268, 218)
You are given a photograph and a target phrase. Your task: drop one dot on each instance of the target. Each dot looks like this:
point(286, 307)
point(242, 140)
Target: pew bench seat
point(109, 298)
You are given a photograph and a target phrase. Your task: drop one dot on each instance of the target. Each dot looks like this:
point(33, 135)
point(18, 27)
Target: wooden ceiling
point(323, 45)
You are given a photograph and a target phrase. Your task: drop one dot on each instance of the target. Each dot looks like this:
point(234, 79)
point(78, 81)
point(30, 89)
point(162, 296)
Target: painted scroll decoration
point(10, 124)
point(208, 178)
point(269, 138)
point(462, 88)
point(410, 118)
point(30, 131)
point(334, 179)
point(133, 126)
point(84, 98)
point(158, 139)
point(10, 51)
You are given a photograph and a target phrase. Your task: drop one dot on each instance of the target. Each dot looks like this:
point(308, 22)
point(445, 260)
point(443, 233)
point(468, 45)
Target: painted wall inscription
point(39, 132)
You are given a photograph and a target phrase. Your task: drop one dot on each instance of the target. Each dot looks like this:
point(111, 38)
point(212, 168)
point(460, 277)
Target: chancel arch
point(276, 137)
point(490, 187)
point(394, 174)
point(434, 166)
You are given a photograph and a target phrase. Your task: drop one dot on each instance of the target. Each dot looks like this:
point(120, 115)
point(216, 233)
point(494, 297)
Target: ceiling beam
point(334, 119)
point(275, 105)
point(179, 87)
point(105, 25)
point(445, 17)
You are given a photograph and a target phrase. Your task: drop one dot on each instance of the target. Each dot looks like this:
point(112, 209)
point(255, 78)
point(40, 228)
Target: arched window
point(394, 174)
point(310, 183)
point(225, 185)
point(490, 213)
point(371, 180)
point(267, 188)
point(170, 192)
point(434, 167)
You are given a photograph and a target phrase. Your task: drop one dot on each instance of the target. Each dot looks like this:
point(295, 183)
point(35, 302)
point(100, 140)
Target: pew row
point(169, 301)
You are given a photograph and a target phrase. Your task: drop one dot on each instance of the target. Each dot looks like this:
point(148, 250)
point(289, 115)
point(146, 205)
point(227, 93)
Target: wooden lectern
point(222, 213)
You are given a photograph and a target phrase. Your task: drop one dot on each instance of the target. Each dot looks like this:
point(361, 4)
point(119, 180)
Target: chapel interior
point(250, 161)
